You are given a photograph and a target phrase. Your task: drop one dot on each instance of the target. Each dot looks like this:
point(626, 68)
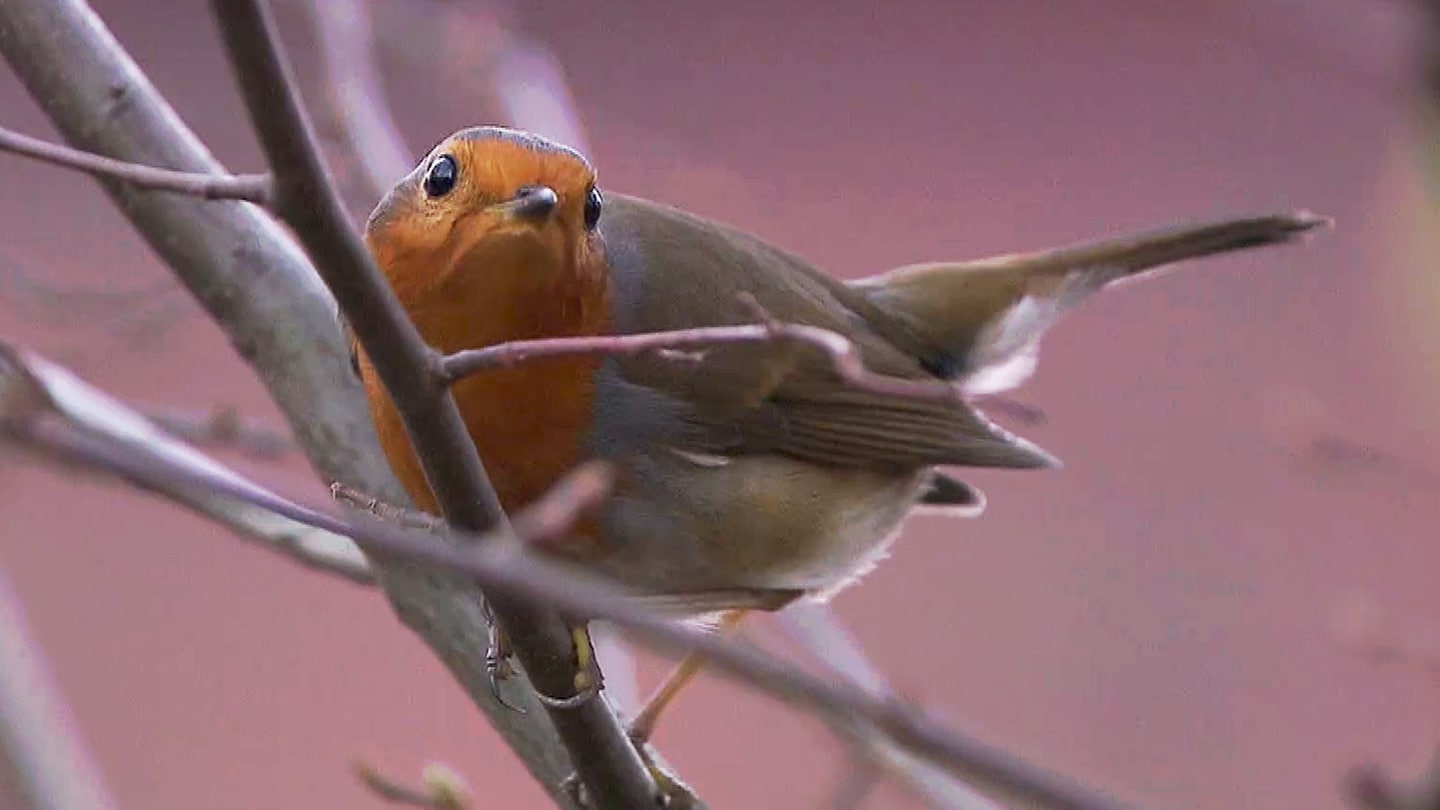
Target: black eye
point(593, 203)
point(441, 177)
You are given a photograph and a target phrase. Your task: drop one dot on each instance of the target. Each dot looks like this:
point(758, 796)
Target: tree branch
point(259, 288)
point(816, 630)
point(236, 261)
point(843, 358)
point(353, 86)
point(92, 410)
point(40, 750)
point(500, 563)
point(253, 188)
point(600, 751)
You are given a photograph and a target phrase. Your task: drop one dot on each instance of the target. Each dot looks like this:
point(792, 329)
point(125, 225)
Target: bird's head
point(486, 201)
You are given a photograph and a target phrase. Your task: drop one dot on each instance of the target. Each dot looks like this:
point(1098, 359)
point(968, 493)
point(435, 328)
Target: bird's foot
point(498, 660)
point(588, 680)
point(588, 677)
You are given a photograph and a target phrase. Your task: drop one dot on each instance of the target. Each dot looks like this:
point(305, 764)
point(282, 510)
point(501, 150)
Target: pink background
point(1160, 618)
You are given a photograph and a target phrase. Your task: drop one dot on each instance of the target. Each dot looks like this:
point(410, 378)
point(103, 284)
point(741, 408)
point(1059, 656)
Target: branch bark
point(502, 565)
point(840, 353)
point(600, 751)
point(257, 285)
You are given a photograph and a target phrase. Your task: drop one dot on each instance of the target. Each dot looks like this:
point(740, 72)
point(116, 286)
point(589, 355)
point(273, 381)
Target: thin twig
point(386, 511)
point(599, 749)
point(261, 290)
point(500, 565)
point(253, 188)
point(231, 256)
point(525, 77)
point(352, 83)
point(816, 630)
point(54, 388)
point(844, 361)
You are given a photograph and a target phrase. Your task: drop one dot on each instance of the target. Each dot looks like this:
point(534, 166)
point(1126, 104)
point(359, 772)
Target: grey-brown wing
point(673, 271)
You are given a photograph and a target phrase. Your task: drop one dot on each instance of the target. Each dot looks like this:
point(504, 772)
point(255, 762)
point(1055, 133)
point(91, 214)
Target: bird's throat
point(528, 422)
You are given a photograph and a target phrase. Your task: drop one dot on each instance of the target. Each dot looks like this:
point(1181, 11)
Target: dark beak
point(531, 202)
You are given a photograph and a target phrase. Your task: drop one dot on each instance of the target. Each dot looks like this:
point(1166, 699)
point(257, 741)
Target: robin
point(751, 476)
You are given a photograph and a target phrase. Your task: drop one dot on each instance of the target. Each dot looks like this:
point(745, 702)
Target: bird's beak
point(531, 202)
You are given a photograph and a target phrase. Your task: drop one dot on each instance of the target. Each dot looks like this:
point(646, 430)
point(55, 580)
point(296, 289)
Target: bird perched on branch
point(754, 475)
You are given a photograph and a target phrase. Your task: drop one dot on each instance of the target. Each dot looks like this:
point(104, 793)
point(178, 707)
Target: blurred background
point(1226, 598)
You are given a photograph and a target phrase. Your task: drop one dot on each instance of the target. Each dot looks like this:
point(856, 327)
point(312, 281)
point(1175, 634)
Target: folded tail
point(979, 323)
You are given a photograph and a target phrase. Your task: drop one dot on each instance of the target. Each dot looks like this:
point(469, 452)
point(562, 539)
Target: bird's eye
point(593, 203)
point(441, 177)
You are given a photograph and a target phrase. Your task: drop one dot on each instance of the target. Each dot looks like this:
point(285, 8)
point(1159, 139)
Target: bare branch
point(816, 630)
point(600, 751)
point(500, 564)
point(352, 83)
point(40, 750)
point(253, 188)
point(843, 358)
point(281, 320)
point(526, 79)
point(92, 410)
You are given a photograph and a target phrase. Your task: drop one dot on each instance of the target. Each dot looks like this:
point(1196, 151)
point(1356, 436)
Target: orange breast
point(529, 422)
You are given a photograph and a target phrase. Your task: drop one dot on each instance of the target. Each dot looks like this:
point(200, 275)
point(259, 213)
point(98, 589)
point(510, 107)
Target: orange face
point(492, 238)
point(482, 201)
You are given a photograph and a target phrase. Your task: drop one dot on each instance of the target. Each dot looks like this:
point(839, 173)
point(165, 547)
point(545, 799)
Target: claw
point(497, 663)
point(496, 693)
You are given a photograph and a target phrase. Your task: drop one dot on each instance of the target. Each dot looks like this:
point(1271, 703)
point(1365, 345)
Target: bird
point(748, 475)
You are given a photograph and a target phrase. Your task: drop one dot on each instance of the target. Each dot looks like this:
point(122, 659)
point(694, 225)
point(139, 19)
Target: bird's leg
point(588, 678)
point(643, 726)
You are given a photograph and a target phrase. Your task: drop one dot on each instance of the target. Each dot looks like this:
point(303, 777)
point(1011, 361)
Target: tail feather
point(979, 323)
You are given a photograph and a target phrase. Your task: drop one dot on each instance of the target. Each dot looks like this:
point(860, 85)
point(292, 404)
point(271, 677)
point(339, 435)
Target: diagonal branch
point(501, 565)
point(260, 289)
point(600, 751)
point(353, 85)
point(93, 411)
point(41, 757)
point(253, 188)
point(817, 631)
